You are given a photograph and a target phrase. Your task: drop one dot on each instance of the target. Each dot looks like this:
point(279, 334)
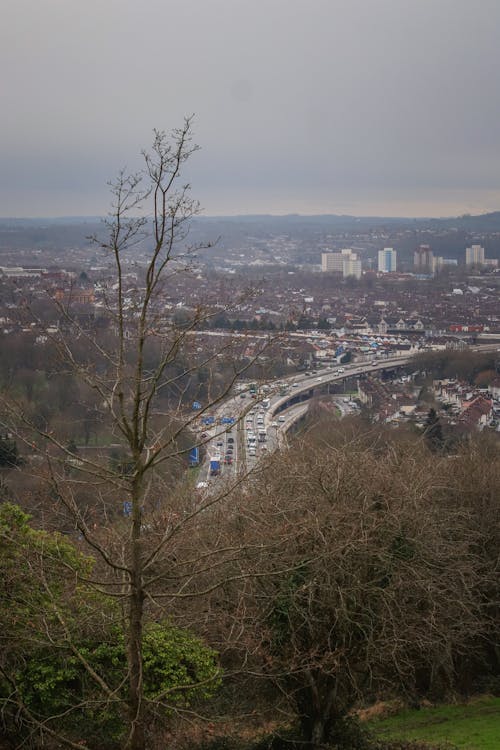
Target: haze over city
point(325, 106)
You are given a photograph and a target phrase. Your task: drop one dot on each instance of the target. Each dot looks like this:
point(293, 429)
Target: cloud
point(300, 101)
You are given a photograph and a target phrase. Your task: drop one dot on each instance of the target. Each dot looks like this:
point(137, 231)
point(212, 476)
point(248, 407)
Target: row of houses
point(464, 406)
point(473, 407)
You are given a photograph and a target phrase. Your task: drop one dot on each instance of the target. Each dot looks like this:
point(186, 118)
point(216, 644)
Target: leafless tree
point(139, 374)
point(373, 587)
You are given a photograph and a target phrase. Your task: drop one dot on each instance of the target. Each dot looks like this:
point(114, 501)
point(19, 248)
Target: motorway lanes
point(221, 443)
point(240, 445)
point(249, 413)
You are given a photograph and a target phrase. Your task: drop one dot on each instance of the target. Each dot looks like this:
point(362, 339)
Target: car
point(204, 435)
point(219, 443)
point(252, 452)
point(228, 459)
point(230, 440)
point(295, 385)
point(281, 419)
point(319, 379)
point(274, 424)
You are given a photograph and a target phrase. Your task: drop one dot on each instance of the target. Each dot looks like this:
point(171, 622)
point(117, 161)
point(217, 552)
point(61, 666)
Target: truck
point(214, 467)
point(194, 456)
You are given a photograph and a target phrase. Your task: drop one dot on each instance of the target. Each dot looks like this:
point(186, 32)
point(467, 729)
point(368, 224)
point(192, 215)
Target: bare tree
point(139, 374)
point(373, 587)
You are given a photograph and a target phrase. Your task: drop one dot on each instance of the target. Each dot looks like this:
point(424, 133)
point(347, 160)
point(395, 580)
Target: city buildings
point(351, 266)
point(332, 262)
point(423, 260)
point(387, 260)
point(346, 262)
point(474, 256)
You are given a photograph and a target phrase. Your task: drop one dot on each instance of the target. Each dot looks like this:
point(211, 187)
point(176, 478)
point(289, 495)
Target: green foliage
point(36, 568)
point(54, 682)
point(57, 635)
point(178, 665)
point(410, 745)
point(178, 670)
point(473, 726)
point(433, 431)
point(281, 614)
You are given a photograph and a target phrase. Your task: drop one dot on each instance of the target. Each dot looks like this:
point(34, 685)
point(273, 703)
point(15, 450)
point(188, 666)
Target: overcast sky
point(387, 107)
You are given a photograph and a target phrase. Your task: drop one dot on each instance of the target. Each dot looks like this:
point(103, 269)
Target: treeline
point(303, 323)
point(472, 367)
point(54, 396)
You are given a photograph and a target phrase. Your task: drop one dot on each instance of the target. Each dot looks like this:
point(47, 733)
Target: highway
point(239, 446)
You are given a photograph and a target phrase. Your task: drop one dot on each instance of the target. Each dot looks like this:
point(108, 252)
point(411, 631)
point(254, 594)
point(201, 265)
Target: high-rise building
point(351, 266)
point(474, 256)
point(335, 261)
point(331, 262)
point(387, 259)
point(423, 260)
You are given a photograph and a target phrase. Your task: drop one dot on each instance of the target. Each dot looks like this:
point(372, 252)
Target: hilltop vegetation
point(354, 568)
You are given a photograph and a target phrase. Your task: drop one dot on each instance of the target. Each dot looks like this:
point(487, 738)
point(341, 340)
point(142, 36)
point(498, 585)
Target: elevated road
point(283, 410)
point(242, 442)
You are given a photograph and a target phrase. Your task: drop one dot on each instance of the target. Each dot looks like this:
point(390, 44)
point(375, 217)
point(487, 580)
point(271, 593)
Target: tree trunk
point(318, 738)
point(136, 738)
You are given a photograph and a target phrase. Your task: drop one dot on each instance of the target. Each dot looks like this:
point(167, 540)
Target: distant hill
point(489, 222)
point(448, 236)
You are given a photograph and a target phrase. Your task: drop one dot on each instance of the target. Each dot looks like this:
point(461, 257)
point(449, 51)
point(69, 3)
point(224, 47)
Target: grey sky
point(310, 106)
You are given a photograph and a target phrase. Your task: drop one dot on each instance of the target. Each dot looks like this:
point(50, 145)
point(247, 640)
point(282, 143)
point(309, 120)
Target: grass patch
point(471, 726)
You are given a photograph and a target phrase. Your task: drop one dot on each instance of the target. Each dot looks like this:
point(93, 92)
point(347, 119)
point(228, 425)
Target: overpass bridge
point(306, 386)
point(302, 388)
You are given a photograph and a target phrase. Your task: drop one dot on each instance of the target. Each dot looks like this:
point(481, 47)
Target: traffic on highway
point(253, 422)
